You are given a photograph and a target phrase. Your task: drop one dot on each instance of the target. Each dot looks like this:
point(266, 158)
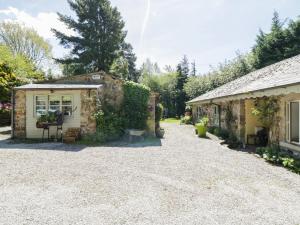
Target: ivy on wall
point(135, 105)
point(265, 110)
point(112, 122)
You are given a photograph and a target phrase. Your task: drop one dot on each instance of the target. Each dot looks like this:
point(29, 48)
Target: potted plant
point(41, 121)
point(202, 127)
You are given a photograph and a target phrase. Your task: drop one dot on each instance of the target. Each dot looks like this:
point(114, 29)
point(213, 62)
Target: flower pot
point(39, 125)
point(201, 130)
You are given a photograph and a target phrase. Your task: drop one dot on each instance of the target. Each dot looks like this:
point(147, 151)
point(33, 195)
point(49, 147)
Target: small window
point(216, 116)
point(294, 121)
point(41, 105)
point(54, 103)
point(67, 105)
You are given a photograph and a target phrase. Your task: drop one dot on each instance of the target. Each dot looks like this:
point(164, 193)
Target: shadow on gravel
point(30, 145)
point(148, 142)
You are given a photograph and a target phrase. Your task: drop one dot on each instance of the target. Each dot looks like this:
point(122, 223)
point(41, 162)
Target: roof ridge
point(252, 77)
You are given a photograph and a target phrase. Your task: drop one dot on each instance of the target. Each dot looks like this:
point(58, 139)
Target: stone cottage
point(76, 97)
point(232, 104)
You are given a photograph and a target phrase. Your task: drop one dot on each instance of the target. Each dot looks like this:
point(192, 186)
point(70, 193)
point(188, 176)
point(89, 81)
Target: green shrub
point(217, 131)
point(186, 120)
point(224, 134)
point(5, 117)
point(232, 140)
point(135, 105)
point(110, 126)
point(274, 155)
point(158, 114)
point(211, 129)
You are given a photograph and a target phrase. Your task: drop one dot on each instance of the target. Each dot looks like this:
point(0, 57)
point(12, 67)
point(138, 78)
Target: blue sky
point(207, 31)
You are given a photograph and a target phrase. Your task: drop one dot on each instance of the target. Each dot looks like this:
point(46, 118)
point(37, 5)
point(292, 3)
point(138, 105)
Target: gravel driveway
point(180, 180)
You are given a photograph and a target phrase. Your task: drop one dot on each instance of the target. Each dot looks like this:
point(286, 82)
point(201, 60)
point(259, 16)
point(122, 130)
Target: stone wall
point(88, 108)
point(151, 126)
point(20, 114)
point(238, 115)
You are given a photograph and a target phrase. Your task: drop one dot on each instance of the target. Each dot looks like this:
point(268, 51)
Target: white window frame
point(35, 105)
point(48, 105)
point(288, 122)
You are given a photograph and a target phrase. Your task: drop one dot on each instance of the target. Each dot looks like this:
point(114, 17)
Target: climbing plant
point(229, 117)
point(135, 105)
point(265, 110)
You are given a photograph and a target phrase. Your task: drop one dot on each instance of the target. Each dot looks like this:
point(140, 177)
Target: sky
point(207, 31)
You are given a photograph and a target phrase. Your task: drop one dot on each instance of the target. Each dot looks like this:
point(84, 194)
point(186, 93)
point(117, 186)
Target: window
point(53, 103)
point(293, 115)
point(66, 106)
point(40, 105)
point(216, 116)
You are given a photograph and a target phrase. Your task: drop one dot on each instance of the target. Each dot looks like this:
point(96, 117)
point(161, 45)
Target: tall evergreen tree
point(182, 76)
point(279, 44)
point(193, 69)
point(128, 54)
point(98, 37)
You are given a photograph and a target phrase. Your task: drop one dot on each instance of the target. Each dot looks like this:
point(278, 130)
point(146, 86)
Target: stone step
point(71, 135)
point(69, 140)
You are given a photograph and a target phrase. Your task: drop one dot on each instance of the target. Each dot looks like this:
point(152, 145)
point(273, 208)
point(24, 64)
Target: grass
point(171, 120)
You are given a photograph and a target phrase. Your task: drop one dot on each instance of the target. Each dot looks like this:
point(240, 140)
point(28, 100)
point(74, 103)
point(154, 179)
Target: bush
point(211, 129)
point(135, 105)
point(186, 120)
point(232, 141)
point(217, 131)
point(5, 117)
point(158, 113)
point(274, 155)
point(110, 126)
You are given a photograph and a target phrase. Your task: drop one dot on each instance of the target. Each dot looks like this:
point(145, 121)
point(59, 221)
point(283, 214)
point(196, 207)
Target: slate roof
point(57, 86)
point(283, 73)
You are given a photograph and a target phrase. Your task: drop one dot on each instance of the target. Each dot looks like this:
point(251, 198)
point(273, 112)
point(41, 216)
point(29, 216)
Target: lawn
point(170, 120)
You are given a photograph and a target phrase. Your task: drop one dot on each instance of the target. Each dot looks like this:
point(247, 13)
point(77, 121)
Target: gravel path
point(182, 180)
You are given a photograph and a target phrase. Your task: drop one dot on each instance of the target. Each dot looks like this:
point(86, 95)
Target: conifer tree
point(98, 36)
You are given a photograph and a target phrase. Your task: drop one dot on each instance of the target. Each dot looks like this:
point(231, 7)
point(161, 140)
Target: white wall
point(73, 121)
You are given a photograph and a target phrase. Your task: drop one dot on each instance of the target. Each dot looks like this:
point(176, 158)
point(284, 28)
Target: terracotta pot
point(40, 125)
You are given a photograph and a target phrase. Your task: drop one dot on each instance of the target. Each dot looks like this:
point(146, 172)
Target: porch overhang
point(58, 86)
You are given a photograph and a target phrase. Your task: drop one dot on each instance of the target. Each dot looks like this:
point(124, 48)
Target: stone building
point(232, 104)
point(75, 96)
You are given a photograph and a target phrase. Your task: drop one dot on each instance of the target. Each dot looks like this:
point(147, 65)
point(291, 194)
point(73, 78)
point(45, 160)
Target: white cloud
point(42, 22)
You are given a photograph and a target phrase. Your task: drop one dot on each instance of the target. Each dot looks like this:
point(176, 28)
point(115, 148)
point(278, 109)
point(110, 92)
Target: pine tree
point(193, 69)
point(99, 34)
point(272, 47)
point(182, 76)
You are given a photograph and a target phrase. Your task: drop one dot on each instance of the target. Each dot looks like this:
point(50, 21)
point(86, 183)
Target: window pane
point(40, 110)
point(66, 100)
point(41, 100)
point(54, 100)
point(53, 108)
point(67, 110)
point(294, 124)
